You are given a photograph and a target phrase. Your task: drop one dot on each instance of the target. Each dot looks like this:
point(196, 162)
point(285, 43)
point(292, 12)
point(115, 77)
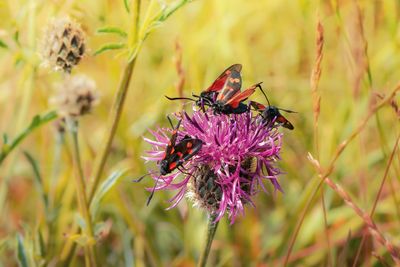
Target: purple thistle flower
point(238, 153)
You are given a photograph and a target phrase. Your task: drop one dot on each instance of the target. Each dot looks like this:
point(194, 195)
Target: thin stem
point(81, 193)
point(113, 121)
point(377, 199)
point(114, 118)
point(329, 169)
point(117, 107)
point(373, 229)
point(211, 229)
point(328, 242)
point(51, 244)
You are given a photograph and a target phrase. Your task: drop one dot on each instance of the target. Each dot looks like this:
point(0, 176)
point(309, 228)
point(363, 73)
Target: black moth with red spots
point(177, 154)
point(271, 114)
point(224, 94)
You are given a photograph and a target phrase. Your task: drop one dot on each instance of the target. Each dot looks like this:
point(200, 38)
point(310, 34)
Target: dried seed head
point(59, 125)
point(76, 96)
point(249, 167)
point(63, 44)
point(204, 191)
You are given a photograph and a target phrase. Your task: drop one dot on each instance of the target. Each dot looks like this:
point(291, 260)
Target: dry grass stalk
point(316, 99)
point(330, 168)
point(315, 77)
point(393, 104)
point(360, 52)
point(360, 127)
point(179, 69)
point(380, 259)
point(377, 197)
point(373, 229)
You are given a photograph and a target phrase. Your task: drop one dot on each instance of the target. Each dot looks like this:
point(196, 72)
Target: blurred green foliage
point(275, 42)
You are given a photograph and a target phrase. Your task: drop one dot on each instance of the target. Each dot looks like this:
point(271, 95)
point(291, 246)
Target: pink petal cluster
point(228, 140)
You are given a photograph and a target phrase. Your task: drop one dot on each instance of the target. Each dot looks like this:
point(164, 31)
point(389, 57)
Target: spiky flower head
point(63, 44)
point(238, 155)
point(76, 96)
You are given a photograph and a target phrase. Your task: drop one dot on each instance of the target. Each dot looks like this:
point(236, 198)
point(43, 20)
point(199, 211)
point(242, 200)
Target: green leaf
point(104, 188)
point(37, 121)
point(126, 5)
point(115, 30)
point(3, 44)
point(167, 12)
point(5, 139)
point(127, 249)
point(80, 221)
point(21, 254)
point(38, 179)
point(16, 37)
point(108, 47)
point(343, 254)
point(42, 245)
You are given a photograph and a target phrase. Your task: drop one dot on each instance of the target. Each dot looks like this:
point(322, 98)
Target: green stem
point(211, 229)
point(116, 110)
point(113, 121)
point(81, 193)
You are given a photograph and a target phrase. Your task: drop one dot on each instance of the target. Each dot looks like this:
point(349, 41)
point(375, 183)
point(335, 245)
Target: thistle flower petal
point(238, 155)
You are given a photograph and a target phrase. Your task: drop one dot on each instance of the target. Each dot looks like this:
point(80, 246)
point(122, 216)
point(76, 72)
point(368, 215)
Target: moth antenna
point(180, 98)
point(152, 191)
point(287, 110)
point(266, 97)
point(141, 177)
point(170, 122)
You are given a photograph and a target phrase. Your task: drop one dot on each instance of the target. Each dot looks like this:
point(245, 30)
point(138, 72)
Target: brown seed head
point(76, 96)
point(206, 193)
point(63, 44)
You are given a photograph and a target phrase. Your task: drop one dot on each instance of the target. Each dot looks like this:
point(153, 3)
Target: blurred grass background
point(275, 42)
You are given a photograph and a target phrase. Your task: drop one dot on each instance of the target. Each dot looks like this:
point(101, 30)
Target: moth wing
point(219, 83)
point(231, 87)
point(239, 97)
point(284, 122)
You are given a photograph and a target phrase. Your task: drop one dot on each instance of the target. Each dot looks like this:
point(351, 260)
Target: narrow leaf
point(16, 38)
point(108, 47)
point(5, 139)
point(21, 254)
point(167, 12)
point(104, 188)
point(343, 254)
point(37, 121)
point(126, 5)
point(38, 179)
point(127, 248)
point(42, 246)
point(80, 221)
point(115, 30)
point(3, 44)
